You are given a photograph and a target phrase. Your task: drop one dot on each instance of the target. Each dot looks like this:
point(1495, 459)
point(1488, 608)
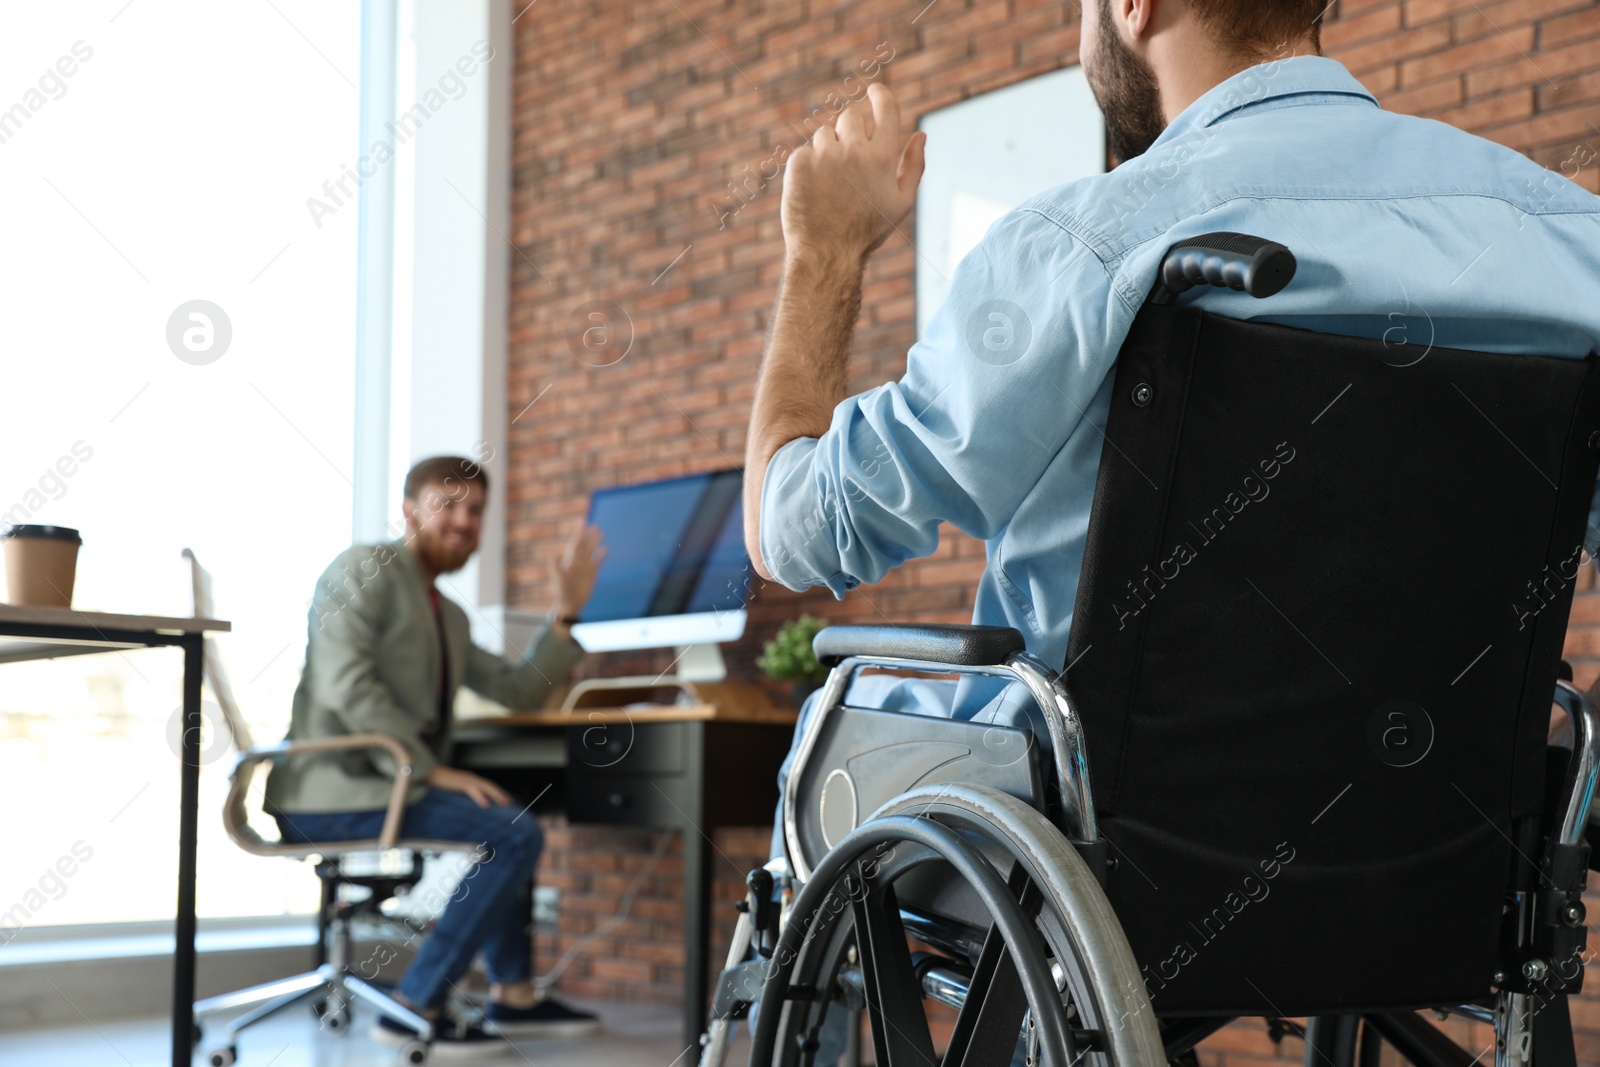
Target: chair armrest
point(235, 818)
point(961, 646)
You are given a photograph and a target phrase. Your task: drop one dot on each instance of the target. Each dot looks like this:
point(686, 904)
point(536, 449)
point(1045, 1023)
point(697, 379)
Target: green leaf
point(788, 656)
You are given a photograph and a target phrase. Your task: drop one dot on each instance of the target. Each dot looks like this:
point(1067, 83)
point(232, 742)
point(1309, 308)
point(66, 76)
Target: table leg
point(696, 925)
point(188, 827)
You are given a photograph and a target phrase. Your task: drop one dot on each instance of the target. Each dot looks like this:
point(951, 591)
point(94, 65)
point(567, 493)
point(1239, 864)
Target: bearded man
point(1223, 116)
point(385, 654)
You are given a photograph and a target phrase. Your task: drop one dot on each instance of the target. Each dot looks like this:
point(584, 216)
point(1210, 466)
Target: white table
point(28, 633)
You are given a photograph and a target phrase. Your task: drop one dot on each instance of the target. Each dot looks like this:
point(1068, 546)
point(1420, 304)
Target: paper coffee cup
point(41, 563)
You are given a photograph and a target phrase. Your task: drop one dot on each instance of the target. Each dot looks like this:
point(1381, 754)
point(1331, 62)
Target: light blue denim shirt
point(1404, 228)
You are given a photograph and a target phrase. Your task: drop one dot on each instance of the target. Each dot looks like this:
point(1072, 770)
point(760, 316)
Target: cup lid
point(50, 533)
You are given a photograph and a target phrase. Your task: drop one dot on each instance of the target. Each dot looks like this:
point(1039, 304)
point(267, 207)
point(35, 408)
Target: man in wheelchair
point(1282, 441)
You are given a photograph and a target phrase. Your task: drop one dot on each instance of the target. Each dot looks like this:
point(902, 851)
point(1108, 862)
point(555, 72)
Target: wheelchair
point(1315, 641)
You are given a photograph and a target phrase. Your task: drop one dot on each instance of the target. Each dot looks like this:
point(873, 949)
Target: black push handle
point(1238, 261)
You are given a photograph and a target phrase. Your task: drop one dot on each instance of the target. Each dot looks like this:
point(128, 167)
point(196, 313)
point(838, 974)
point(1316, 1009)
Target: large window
point(178, 371)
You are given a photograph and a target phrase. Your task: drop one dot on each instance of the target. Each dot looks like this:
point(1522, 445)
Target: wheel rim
point(1102, 976)
point(893, 992)
point(850, 901)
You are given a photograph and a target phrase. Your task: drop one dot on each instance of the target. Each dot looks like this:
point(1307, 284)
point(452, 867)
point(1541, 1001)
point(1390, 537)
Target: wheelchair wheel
point(1048, 966)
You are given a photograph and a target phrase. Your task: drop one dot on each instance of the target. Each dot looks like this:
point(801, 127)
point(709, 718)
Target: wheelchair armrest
point(938, 649)
point(959, 646)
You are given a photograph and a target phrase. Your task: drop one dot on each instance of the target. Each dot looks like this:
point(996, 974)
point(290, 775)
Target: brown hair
point(1251, 28)
point(444, 470)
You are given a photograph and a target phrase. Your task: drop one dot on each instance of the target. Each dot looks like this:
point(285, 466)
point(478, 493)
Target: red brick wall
point(641, 958)
point(642, 132)
point(1524, 73)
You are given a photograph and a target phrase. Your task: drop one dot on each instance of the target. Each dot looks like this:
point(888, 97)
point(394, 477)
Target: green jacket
point(372, 666)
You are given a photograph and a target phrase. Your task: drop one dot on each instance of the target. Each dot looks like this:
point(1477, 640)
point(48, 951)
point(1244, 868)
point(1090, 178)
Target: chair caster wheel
point(197, 1038)
point(222, 1057)
point(332, 1016)
point(414, 1052)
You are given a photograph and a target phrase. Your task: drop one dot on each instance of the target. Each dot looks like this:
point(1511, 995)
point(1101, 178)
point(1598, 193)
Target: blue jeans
point(485, 912)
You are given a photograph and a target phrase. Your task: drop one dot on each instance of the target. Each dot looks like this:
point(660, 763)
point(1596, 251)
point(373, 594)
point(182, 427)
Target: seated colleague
point(385, 654)
point(1225, 117)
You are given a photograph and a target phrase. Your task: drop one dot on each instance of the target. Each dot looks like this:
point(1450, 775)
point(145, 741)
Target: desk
point(686, 769)
point(51, 633)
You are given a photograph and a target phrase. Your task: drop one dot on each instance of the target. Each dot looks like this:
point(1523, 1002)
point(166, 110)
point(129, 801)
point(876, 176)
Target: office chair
point(1313, 651)
point(332, 983)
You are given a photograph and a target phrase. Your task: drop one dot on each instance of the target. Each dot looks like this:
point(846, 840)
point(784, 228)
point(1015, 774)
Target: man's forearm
point(804, 373)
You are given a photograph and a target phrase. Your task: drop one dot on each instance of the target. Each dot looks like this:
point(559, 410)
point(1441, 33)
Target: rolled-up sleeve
point(1009, 364)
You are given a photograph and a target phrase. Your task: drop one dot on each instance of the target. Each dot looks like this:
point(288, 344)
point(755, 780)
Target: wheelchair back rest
point(1322, 605)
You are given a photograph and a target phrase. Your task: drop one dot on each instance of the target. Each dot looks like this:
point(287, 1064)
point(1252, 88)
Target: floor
point(635, 1035)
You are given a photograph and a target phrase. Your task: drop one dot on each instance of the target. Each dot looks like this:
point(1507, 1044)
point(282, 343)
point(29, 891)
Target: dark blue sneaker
point(454, 1041)
point(548, 1019)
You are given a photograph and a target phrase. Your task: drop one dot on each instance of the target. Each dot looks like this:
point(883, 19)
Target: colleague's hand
point(846, 191)
point(573, 577)
point(483, 792)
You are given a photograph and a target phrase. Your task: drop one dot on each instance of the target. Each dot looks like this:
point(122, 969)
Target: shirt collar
point(1266, 84)
point(401, 547)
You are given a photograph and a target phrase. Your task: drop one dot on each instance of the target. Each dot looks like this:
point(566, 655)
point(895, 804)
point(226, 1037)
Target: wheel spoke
point(900, 1036)
point(987, 1028)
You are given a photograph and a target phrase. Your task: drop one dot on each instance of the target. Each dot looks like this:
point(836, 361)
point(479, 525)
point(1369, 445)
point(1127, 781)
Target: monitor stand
point(693, 663)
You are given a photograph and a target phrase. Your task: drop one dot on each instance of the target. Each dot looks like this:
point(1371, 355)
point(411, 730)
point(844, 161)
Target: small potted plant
point(788, 657)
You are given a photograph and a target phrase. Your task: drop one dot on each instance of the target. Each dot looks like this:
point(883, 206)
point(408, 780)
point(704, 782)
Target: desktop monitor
point(675, 572)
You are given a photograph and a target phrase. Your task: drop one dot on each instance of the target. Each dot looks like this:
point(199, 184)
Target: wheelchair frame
point(1052, 698)
point(1330, 1039)
point(1546, 923)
